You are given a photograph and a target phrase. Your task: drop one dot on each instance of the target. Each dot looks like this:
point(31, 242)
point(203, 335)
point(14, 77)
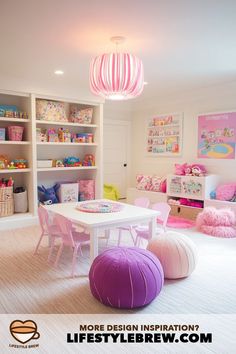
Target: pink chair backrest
point(142, 202)
point(43, 218)
point(164, 209)
point(65, 225)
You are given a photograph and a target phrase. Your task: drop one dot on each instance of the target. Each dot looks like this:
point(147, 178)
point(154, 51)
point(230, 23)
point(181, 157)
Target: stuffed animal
point(48, 194)
point(180, 169)
point(198, 170)
point(188, 170)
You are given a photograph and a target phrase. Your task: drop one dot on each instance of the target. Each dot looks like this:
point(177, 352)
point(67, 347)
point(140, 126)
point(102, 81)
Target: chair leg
point(132, 235)
point(119, 237)
point(52, 242)
point(107, 234)
point(74, 259)
point(38, 244)
point(59, 254)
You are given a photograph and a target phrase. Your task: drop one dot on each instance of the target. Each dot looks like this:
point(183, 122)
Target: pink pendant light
point(116, 76)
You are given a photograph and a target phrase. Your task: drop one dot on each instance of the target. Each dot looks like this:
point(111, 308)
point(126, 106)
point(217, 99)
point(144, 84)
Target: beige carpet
point(29, 285)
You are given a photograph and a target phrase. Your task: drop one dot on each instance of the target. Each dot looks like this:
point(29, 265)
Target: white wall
point(210, 99)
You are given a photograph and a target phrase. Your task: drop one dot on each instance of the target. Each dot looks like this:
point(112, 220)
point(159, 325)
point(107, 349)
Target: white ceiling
point(183, 44)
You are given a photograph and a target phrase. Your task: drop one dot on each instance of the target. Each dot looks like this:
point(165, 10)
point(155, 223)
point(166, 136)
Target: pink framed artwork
point(217, 135)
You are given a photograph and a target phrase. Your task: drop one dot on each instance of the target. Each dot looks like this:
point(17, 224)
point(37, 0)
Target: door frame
point(126, 124)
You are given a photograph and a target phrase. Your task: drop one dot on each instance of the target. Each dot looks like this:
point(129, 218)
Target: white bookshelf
point(31, 150)
point(67, 169)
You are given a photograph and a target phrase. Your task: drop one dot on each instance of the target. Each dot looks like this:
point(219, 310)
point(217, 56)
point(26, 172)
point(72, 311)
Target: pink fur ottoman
point(217, 222)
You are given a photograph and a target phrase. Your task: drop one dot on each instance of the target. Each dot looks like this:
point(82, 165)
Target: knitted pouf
point(176, 252)
point(126, 277)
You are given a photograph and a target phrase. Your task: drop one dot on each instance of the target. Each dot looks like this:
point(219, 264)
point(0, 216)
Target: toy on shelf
point(58, 163)
point(48, 195)
point(3, 162)
point(64, 135)
point(2, 134)
point(72, 161)
point(41, 135)
point(19, 163)
point(15, 133)
point(89, 160)
point(190, 170)
point(6, 182)
point(52, 136)
point(10, 111)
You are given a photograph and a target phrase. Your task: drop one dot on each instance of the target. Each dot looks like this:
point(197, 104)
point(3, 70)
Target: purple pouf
point(126, 277)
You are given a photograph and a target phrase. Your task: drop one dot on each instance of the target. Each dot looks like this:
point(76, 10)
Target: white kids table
point(98, 222)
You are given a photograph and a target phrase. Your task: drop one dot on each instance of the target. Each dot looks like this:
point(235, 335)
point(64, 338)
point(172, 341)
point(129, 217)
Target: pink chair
point(47, 229)
point(139, 202)
point(70, 238)
point(142, 232)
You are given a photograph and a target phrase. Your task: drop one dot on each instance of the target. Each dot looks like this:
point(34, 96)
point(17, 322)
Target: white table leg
point(152, 228)
point(93, 244)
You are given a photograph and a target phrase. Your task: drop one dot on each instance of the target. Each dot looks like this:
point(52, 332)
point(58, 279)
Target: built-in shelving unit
point(67, 169)
point(66, 144)
point(31, 150)
point(8, 142)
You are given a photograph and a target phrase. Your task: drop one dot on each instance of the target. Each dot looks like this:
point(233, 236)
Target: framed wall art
point(217, 135)
point(164, 135)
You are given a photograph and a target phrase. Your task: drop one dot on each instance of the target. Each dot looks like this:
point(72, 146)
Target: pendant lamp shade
point(116, 76)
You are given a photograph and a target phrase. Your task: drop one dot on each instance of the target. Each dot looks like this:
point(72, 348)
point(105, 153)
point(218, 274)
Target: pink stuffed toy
point(180, 169)
point(226, 191)
point(198, 170)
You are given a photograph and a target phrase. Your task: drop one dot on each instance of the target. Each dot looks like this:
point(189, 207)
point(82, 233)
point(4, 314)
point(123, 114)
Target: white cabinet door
point(115, 142)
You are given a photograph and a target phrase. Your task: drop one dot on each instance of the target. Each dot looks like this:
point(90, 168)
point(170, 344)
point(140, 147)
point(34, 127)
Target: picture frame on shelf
point(164, 135)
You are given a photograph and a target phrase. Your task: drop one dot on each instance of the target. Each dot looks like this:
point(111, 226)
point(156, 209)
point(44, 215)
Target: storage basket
point(6, 193)
point(6, 201)
point(15, 133)
point(20, 202)
point(6, 208)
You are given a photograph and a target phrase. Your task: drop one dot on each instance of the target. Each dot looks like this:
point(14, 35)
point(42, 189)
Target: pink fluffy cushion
point(225, 191)
point(176, 252)
point(215, 217)
point(219, 231)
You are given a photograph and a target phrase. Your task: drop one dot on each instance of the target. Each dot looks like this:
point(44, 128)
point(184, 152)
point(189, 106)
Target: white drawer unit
point(191, 187)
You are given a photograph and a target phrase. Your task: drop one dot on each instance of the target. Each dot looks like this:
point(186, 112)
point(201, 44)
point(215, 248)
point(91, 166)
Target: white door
point(116, 140)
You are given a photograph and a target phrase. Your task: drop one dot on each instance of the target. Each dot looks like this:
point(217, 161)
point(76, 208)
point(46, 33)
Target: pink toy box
point(68, 192)
point(86, 189)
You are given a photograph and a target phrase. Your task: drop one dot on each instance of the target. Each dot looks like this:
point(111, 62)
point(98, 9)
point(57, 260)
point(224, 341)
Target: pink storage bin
point(86, 189)
point(15, 133)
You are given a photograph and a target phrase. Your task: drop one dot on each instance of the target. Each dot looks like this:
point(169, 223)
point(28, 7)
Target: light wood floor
point(29, 285)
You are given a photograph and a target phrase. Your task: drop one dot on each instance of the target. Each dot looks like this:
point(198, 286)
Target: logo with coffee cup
point(24, 331)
